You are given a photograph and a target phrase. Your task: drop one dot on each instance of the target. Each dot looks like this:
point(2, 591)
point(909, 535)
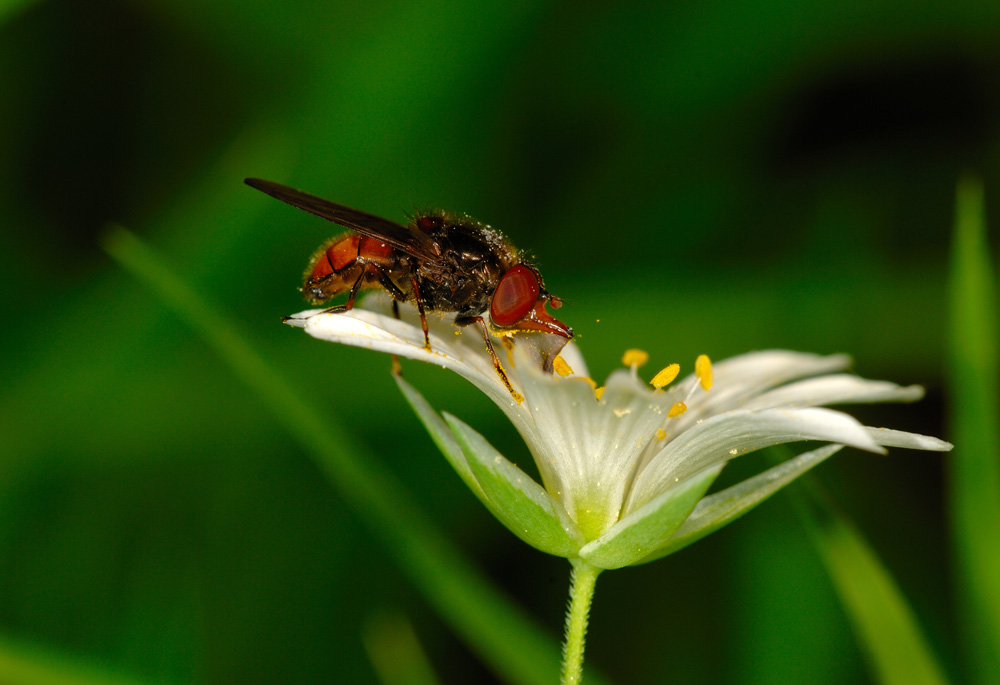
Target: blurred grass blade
point(974, 467)
point(11, 8)
point(395, 651)
point(886, 629)
point(505, 637)
point(22, 664)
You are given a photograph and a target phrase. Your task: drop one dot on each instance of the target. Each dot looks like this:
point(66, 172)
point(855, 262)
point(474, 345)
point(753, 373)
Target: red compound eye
point(516, 294)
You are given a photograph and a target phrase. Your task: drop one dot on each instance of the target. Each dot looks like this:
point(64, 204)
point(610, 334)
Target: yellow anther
point(598, 392)
point(676, 410)
point(660, 434)
point(703, 369)
point(588, 379)
point(635, 357)
point(666, 376)
point(560, 366)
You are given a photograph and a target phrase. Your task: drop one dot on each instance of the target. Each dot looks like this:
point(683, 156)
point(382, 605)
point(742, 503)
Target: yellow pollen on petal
point(560, 366)
point(508, 345)
point(660, 434)
point(598, 392)
point(703, 369)
point(676, 410)
point(665, 376)
point(635, 357)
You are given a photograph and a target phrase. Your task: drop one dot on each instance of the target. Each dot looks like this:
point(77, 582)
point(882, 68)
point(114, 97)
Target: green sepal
point(647, 528)
point(441, 435)
point(514, 498)
point(717, 510)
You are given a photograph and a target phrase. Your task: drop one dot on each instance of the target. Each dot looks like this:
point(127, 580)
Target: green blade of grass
point(11, 8)
point(395, 651)
point(887, 631)
point(505, 637)
point(974, 466)
point(23, 664)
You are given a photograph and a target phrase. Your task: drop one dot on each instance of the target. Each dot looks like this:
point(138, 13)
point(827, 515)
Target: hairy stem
point(581, 593)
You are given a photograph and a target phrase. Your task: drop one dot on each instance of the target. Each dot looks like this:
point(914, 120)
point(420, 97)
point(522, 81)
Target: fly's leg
point(397, 368)
point(386, 282)
point(397, 295)
point(464, 321)
point(420, 308)
point(349, 305)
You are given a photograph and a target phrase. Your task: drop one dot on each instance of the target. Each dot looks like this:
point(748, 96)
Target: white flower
point(625, 475)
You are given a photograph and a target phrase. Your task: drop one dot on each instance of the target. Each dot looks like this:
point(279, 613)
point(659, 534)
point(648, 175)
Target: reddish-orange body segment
point(338, 264)
point(345, 249)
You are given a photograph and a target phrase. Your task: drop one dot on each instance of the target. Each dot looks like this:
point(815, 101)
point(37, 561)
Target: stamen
point(666, 376)
point(560, 366)
point(598, 392)
point(677, 409)
point(635, 358)
point(703, 369)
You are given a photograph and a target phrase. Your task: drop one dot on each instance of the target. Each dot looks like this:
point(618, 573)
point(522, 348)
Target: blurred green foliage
point(693, 177)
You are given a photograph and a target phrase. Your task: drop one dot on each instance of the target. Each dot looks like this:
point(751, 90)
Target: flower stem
point(581, 593)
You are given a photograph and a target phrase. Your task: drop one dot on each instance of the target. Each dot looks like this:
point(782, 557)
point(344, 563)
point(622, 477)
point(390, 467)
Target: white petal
point(740, 379)
point(370, 330)
point(736, 433)
point(587, 450)
point(836, 389)
point(754, 372)
point(913, 441)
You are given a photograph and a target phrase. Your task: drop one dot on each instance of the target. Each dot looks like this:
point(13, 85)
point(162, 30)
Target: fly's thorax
point(474, 257)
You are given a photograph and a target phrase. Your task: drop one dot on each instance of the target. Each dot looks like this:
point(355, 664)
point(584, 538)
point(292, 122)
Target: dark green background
point(699, 177)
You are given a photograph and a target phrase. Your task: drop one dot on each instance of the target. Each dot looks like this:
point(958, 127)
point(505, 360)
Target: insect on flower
point(442, 262)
